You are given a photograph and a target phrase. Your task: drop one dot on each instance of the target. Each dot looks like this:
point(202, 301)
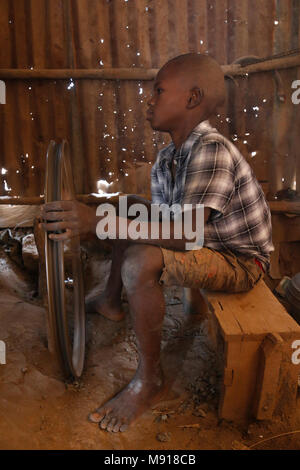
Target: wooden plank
point(239, 19)
point(234, 315)
point(135, 73)
point(22, 44)
point(221, 55)
point(285, 228)
point(135, 155)
point(24, 129)
point(146, 153)
point(38, 33)
point(297, 145)
point(178, 28)
point(227, 322)
point(11, 156)
point(282, 111)
point(143, 15)
point(261, 16)
point(160, 9)
point(6, 26)
point(126, 108)
point(267, 380)
point(40, 96)
point(292, 207)
point(73, 111)
point(286, 405)
point(198, 28)
point(21, 216)
point(57, 45)
point(260, 91)
point(217, 22)
point(252, 325)
point(237, 47)
point(242, 359)
point(272, 318)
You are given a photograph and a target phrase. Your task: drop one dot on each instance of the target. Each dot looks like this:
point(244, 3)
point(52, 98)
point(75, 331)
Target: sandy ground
point(39, 410)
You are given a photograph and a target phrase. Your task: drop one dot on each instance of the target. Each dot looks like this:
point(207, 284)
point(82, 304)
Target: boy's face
point(168, 103)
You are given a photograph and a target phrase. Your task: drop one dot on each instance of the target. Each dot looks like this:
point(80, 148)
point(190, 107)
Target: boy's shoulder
point(216, 144)
point(213, 137)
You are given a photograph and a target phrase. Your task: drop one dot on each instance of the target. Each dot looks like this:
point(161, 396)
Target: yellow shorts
point(209, 269)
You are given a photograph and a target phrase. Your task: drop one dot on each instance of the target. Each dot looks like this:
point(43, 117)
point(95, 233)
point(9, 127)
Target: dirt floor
point(39, 410)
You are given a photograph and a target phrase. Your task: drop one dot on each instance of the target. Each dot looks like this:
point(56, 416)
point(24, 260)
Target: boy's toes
point(111, 424)
point(103, 424)
point(124, 427)
point(96, 416)
point(118, 426)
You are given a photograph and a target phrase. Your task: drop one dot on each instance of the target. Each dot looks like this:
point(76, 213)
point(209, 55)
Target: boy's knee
point(141, 264)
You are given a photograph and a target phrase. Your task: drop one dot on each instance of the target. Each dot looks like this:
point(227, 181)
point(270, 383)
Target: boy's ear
point(195, 98)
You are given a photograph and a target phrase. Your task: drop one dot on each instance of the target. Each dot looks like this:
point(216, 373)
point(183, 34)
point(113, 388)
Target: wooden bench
point(254, 336)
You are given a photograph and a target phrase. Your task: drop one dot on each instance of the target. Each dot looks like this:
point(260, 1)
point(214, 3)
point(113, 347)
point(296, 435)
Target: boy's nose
point(150, 100)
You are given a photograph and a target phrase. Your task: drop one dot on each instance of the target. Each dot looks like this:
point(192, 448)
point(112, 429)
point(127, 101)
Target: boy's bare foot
point(106, 306)
point(119, 412)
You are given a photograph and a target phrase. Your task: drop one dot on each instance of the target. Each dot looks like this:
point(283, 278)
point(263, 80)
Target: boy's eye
point(159, 90)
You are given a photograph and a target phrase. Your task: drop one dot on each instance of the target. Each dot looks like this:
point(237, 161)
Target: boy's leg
point(141, 271)
point(144, 268)
point(109, 302)
point(210, 270)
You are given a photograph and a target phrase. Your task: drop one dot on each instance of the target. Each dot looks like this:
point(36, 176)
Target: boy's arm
point(168, 240)
point(76, 218)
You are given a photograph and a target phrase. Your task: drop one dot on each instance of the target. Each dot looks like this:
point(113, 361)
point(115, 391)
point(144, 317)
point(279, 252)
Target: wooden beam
point(266, 66)
point(38, 200)
point(79, 74)
point(138, 73)
point(290, 207)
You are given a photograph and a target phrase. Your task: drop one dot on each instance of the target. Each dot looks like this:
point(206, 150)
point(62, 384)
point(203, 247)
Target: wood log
point(138, 73)
point(289, 207)
point(78, 74)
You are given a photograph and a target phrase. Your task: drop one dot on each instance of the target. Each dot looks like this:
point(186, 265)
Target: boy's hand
point(67, 219)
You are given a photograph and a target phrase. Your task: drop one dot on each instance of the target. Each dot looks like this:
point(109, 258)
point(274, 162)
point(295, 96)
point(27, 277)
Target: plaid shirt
point(211, 171)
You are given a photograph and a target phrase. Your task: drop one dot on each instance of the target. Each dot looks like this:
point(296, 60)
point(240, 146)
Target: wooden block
point(255, 343)
point(268, 376)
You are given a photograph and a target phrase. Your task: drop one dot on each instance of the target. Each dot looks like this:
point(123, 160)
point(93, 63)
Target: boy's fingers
point(58, 216)
point(56, 226)
point(56, 237)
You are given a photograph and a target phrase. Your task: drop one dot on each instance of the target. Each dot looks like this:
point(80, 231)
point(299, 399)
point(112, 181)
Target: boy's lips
point(149, 113)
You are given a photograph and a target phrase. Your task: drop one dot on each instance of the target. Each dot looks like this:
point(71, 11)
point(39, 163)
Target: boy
point(199, 167)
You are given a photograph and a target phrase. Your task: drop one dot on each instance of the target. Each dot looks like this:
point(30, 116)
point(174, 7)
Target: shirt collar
point(170, 151)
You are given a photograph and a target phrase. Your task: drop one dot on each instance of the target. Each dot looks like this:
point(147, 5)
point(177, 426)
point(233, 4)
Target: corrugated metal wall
point(104, 121)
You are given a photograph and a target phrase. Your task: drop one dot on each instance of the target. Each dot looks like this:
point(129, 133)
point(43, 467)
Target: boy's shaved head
point(200, 71)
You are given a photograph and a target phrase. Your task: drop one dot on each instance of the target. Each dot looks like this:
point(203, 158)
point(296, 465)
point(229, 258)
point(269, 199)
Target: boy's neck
point(179, 136)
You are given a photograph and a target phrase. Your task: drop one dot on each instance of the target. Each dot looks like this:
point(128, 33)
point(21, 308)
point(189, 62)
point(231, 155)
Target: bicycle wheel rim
point(70, 354)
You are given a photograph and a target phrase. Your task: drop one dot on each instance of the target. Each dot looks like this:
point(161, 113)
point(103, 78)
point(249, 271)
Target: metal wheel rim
point(70, 356)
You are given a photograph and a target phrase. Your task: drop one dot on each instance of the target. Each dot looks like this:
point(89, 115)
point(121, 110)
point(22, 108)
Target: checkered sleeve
point(210, 177)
